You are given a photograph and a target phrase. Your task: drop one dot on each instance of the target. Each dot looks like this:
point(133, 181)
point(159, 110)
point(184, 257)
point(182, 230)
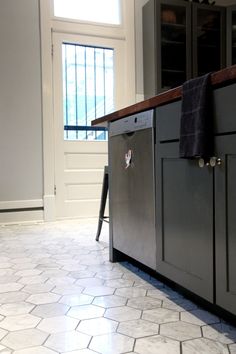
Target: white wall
point(21, 181)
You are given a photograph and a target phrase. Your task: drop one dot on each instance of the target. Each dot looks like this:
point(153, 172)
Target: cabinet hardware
point(201, 162)
point(215, 161)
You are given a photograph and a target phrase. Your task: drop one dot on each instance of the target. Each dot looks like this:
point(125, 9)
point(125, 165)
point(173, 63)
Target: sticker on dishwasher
point(128, 158)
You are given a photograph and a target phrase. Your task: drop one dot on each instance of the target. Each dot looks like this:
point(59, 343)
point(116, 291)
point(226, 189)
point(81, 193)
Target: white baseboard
point(21, 217)
point(21, 211)
point(49, 208)
point(21, 204)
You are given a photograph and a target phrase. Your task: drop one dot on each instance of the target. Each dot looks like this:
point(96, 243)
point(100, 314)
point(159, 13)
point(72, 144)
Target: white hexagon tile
point(59, 294)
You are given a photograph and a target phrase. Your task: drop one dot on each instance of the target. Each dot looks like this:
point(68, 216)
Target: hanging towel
point(196, 126)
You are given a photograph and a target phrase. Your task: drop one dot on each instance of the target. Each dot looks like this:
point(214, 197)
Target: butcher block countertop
point(218, 79)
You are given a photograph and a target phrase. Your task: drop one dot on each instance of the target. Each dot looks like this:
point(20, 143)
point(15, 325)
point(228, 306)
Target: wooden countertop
point(218, 79)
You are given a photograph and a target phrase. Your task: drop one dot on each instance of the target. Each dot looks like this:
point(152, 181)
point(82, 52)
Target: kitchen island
point(195, 206)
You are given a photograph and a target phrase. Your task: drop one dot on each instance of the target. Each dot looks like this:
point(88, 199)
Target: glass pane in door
point(173, 45)
point(103, 11)
point(88, 89)
point(208, 41)
point(233, 37)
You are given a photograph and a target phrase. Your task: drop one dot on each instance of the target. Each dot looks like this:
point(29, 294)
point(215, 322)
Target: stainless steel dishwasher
point(131, 187)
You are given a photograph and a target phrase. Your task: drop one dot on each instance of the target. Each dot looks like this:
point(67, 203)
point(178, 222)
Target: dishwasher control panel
point(135, 122)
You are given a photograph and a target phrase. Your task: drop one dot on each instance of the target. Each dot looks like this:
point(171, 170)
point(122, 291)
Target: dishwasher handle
point(129, 134)
point(131, 124)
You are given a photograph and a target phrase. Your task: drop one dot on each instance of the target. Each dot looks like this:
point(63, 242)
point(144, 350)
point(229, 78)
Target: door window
point(103, 11)
point(88, 89)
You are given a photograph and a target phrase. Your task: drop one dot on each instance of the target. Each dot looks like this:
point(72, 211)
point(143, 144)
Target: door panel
point(225, 220)
point(184, 221)
point(79, 178)
point(84, 161)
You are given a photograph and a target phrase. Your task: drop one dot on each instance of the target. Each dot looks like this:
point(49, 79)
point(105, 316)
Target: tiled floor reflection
point(60, 294)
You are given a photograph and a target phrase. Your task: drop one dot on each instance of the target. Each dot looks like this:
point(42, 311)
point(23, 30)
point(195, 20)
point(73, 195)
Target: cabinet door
point(173, 43)
point(208, 39)
point(231, 35)
point(184, 220)
point(225, 223)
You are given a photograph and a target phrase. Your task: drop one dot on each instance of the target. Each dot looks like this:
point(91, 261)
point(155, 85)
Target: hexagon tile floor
point(60, 294)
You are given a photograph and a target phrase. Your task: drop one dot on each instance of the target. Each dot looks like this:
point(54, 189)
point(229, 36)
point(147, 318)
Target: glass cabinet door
point(231, 35)
point(208, 44)
point(173, 53)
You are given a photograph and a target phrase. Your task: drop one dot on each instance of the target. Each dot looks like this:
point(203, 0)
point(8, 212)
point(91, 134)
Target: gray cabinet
point(166, 44)
point(181, 40)
point(196, 207)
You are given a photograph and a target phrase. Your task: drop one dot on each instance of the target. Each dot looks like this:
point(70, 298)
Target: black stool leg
point(103, 202)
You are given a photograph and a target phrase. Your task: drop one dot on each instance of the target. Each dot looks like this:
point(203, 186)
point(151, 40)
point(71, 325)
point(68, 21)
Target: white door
point(79, 165)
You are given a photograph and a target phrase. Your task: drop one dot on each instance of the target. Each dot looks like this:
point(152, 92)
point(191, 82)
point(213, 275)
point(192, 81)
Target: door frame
point(48, 24)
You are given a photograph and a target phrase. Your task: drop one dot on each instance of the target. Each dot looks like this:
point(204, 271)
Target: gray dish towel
point(196, 127)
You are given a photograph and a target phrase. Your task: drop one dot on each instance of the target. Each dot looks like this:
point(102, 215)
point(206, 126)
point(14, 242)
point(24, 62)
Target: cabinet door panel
point(173, 49)
point(225, 221)
point(208, 38)
point(231, 239)
point(184, 221)
point(231, 35)
point(166, 45)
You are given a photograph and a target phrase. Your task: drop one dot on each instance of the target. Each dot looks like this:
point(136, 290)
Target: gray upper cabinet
point(166, 43)
point(231, 35)
point(181, 40)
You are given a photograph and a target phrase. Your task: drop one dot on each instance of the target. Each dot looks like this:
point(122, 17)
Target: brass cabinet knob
point(201, 162)
point(215, 161)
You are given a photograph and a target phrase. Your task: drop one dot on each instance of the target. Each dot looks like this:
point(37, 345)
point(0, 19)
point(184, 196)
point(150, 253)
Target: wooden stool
point(103, 202)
